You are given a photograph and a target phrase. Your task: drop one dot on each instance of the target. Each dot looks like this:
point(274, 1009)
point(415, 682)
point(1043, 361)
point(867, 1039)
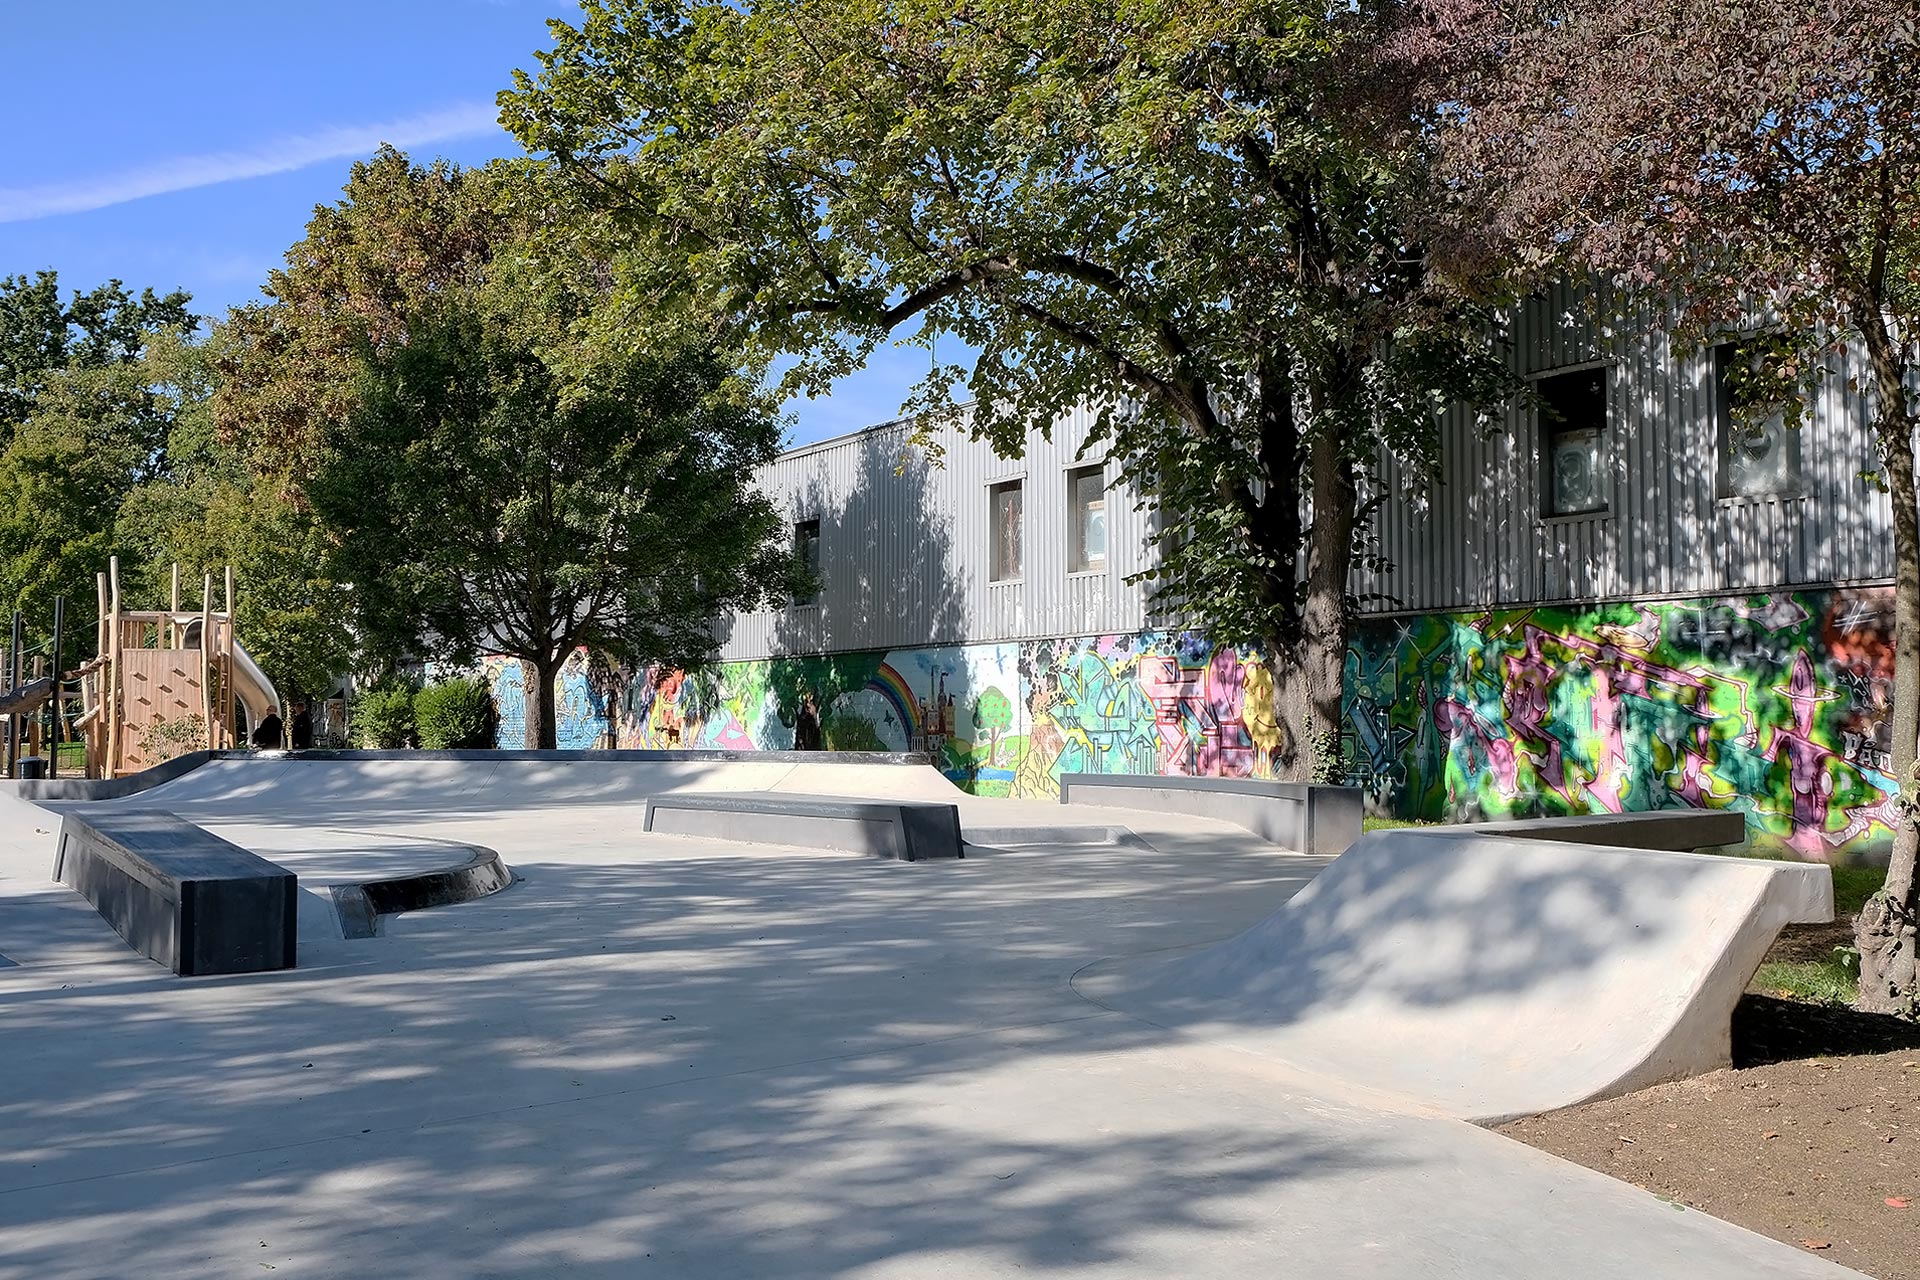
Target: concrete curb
point(1297, 816)
point(360, 907)
point(911, 831)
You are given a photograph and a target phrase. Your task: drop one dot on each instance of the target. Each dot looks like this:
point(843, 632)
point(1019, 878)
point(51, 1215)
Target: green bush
point(454, 713)
point(383, 717)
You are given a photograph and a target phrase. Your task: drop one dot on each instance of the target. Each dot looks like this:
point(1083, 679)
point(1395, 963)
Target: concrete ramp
point(1489, 977)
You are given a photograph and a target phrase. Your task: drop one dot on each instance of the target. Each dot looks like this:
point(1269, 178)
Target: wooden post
point(116, 676)
point(102, 684)
point(15, 669)
point(59, 684)
point(228, 704)
point(173, 610)
point(206, 663)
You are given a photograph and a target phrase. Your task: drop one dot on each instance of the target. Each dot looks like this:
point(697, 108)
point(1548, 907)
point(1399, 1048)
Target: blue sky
point(185, 144)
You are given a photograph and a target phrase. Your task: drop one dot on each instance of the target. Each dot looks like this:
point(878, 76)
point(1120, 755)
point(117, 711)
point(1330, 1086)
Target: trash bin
point(33, 767)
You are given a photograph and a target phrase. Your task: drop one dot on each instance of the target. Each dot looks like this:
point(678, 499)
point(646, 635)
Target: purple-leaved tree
point(1752, 168)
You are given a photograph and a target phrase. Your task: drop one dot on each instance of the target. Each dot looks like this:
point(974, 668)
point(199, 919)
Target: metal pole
point(59, 684)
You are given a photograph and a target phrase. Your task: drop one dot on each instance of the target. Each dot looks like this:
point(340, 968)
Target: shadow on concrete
point(730, 1065)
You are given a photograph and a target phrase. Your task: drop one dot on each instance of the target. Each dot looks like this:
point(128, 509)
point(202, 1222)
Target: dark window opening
point(1087, 510)
point(806, 549)
point(1759, 454)
point(1005, 514)
point(1573, 439)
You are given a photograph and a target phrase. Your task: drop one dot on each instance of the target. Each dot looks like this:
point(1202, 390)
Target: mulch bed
point(1813, 1137)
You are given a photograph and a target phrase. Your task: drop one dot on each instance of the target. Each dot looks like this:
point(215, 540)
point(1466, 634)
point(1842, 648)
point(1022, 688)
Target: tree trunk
point(1308, 681)
point(537, 699)
point(1885, 931)
point(543, 728)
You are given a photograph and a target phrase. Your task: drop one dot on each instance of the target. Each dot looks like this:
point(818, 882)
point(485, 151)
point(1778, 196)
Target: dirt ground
point(1813, 1137)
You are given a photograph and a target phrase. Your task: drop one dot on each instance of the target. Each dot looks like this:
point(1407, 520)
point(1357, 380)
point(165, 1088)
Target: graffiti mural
point(1775, 705)
point(1156, 702)
point(580, 702)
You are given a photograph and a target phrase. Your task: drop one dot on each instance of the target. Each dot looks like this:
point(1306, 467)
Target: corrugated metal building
point(905, 547)
point(1611, 604)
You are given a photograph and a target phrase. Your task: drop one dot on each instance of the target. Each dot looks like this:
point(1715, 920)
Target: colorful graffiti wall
point(1773, 705)
point(582, 689)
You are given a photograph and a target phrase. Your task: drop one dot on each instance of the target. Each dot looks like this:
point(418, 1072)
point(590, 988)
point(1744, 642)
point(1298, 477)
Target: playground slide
point(252, 688)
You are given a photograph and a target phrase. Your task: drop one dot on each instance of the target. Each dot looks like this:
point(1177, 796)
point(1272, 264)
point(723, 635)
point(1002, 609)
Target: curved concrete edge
point(82, 789)
point(690, 755)
point(361, 907)
point(116, 788)
point(1052, 837)
point(1487, 977)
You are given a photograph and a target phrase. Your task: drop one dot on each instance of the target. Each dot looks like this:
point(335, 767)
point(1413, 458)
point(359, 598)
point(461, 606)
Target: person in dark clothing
point(301, 730)
point(806, 726)
point(266, 734)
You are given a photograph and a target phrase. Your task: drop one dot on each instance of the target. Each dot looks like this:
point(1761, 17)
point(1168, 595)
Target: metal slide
point(253, 690)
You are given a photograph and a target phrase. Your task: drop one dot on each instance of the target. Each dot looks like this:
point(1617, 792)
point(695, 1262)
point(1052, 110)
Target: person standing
point(806, 726)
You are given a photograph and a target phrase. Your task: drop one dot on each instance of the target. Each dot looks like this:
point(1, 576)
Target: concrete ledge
point(1293, 815)
point(360, 906)
point(908, 830)
point(1679, 830)
point(179, 895)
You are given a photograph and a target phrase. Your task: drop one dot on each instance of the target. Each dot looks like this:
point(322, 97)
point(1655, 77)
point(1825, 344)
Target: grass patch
point(1833, 981)
point(1371, 823)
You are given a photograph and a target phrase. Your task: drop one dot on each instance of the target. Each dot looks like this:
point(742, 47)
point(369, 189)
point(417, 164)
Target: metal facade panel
point(904, 543)
point(904, 557)
point(1479, 538)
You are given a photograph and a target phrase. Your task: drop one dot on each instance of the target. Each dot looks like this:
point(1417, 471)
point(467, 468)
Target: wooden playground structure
point(164, 682)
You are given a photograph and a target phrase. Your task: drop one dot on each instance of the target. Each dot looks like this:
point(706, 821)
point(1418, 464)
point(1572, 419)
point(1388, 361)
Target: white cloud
point(281, 155)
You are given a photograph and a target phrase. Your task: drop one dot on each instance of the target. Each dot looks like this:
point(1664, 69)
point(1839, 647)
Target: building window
point(806, 549)
point(1087, 509)
point(1005, 515)
point(1759, 452)
point(1573, 434)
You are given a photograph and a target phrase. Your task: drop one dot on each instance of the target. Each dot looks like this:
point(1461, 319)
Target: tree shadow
point(700, 1060)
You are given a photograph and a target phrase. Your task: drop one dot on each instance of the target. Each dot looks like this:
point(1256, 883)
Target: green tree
point(41, 336)
point(81, 423)
point(495, 472)
point(1200, 215)
point(1760, 164)
point(210, 508)
point(993, 712)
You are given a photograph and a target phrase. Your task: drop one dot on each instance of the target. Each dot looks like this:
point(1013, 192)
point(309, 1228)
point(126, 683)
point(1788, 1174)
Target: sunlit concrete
point(658, 1056)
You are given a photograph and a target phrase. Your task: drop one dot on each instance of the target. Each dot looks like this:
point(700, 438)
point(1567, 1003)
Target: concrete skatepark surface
point(1530, 974)
point(674, 1057)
